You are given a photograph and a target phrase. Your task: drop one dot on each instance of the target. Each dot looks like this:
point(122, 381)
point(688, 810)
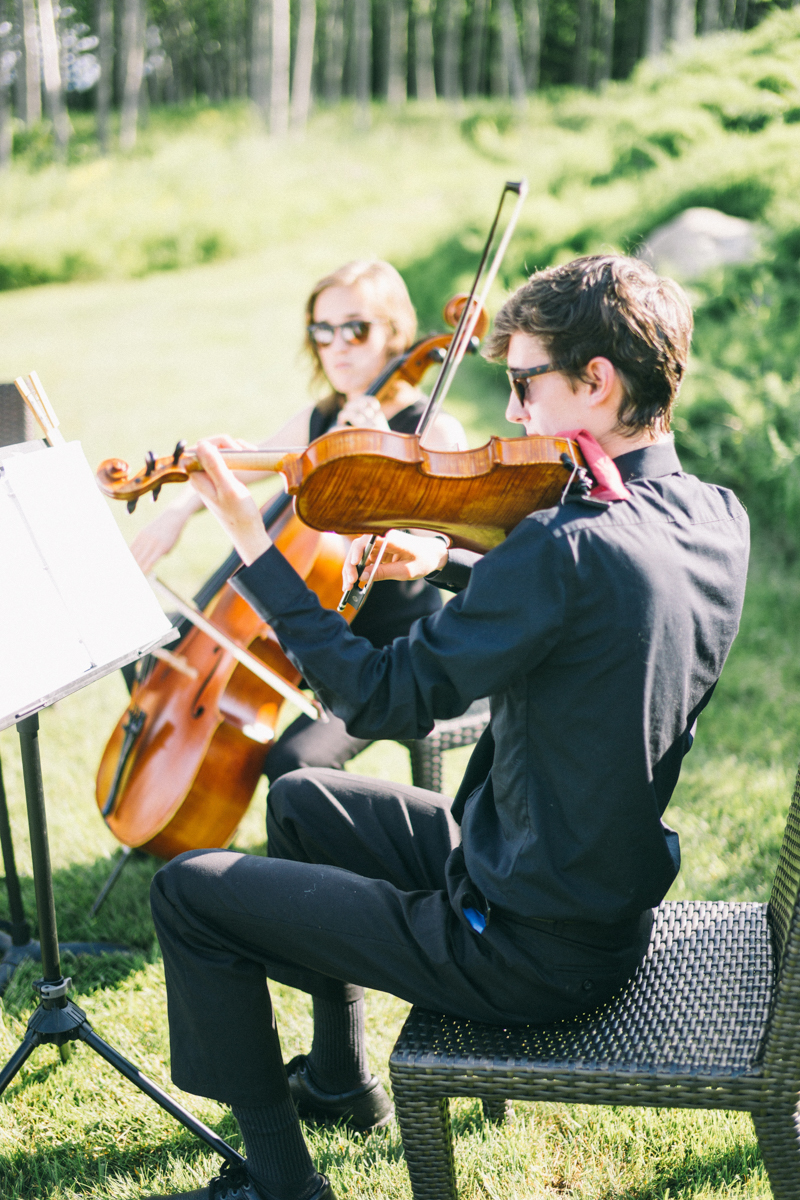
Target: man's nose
point(515, 413)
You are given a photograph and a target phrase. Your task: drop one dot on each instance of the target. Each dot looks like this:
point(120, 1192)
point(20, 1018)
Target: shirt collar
point(650, 462)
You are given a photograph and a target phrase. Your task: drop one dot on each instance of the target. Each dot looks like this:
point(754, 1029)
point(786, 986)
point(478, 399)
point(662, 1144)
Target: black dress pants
point(353, 894)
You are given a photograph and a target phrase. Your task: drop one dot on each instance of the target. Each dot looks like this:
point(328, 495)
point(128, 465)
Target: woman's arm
point(161, 534)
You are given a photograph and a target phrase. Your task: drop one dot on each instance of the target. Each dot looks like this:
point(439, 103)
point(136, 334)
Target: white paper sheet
point(71, 595)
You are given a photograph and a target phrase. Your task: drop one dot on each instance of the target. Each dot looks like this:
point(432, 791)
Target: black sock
point(338, 1058)
point(277, 1156)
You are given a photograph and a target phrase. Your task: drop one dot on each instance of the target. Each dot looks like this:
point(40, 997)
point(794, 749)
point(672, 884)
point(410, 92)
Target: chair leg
point(778, 1133)
point(428, 1144)
point(498, 1110)
point(426, 764)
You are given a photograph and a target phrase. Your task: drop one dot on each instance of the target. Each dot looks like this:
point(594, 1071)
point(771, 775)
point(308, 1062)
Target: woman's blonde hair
point(384, 288)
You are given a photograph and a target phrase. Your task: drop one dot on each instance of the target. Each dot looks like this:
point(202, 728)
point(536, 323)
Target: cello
point(181, 766)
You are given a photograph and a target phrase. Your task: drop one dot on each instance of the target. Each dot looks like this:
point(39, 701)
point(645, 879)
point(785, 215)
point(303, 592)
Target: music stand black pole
point(56, 1020)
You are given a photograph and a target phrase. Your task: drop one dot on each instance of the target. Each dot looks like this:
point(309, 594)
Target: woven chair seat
point(710, 1020)
point(691, 1010)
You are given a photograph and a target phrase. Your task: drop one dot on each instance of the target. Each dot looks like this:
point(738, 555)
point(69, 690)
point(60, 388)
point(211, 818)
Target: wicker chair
point(426, 753)
point(711, 1020)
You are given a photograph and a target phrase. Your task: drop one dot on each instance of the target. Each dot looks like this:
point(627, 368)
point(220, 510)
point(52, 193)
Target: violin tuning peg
point(177, 452)
point(156, 491)
point(131, 505)
point(150, 460)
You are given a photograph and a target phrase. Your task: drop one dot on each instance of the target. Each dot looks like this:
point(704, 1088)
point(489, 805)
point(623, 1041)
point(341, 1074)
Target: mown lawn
point(133, 364)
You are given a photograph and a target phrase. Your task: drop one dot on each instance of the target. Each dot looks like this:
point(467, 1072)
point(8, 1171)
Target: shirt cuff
point(457, 571)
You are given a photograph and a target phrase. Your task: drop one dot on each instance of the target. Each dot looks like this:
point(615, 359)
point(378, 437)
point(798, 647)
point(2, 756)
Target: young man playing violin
point(598, 628)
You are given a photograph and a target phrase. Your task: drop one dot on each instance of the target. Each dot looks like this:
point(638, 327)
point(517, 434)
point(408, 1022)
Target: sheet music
point(72, 599)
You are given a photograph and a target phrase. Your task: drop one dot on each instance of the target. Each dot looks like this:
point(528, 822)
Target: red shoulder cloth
point(608, 481)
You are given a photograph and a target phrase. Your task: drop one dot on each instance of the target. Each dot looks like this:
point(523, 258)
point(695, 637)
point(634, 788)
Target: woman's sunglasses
point(518, 378)
point(354, 333)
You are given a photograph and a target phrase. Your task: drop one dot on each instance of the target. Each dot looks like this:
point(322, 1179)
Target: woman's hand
point(158, 538)
point(229, 500)
point(407, 556)
point(364, 412)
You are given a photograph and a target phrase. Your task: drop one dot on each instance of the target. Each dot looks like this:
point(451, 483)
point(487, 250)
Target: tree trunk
point(6, 132)
point(105, 33)
point(532, 34)
point(605, 42)
point(133, 56)
point(259, 56)
point(51, 70)
point(655, 29)
point(279, 76)
point(583, 44)
point(684, 16)
point(424, 78)
point(303, 64)
point(362, 30)
point(509, 38)
point(710, 16)
point(334, 50)
point(397, 85)
point(451, 52)
point(33, 65)
point(477, 41)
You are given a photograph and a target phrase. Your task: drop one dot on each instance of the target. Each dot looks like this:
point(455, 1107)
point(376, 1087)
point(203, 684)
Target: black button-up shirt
point(599, 635)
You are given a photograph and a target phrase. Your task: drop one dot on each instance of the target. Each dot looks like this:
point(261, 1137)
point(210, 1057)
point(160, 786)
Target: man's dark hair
point(608, 306)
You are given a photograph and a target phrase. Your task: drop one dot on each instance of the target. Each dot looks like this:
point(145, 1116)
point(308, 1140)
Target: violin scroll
point(115, 479)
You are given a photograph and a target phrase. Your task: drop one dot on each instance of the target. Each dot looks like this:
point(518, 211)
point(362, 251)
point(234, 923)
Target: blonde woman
point(358, 319)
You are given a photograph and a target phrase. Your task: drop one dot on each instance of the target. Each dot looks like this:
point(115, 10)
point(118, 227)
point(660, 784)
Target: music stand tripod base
point(57, 1020)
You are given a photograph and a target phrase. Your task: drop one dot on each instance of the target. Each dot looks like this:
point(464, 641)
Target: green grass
point(140, 357)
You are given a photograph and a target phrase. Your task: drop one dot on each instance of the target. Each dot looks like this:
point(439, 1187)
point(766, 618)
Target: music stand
point(76, 586)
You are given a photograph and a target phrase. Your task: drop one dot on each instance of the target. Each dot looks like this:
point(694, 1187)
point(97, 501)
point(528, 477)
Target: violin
point(360, 481)
point(181, 766)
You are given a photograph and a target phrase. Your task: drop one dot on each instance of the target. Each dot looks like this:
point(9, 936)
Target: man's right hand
point(407, 556)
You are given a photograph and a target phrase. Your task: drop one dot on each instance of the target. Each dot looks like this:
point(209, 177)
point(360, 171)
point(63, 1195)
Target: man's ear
point(600, 376)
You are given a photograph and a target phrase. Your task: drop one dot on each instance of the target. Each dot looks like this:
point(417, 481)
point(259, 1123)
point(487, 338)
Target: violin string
point(472, 309)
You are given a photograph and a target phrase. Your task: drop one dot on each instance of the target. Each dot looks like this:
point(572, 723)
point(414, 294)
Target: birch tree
point(605, 42)
point(451, 49)
point(362, 35)
point(509, 40)
point(7, 61)
point(259, 56)
point(397, 55)
point(31, 64)
point(51, 72)
point(334, 50)
point(532, 36)
point(279, 69)
point(710, 16)
point(655, 28)
point(303, 64)
point(477, 43)
point(105, 34)
point(424, 77)
point(684, 18)
point(583, 44)
point(133, 33)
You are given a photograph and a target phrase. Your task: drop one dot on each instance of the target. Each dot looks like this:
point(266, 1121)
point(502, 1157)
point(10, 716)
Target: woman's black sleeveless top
point(393, 605)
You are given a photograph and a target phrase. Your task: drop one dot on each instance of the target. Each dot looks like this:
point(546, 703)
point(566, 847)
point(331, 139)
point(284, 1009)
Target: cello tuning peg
point(150, 460)
point(177, 452)
point(156, 491)
point(131, 505)
point(474, 345)
point(437, 354)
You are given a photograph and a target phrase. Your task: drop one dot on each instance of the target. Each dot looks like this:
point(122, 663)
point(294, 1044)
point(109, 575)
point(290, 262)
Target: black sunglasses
point(355, 333)
point(518, 377)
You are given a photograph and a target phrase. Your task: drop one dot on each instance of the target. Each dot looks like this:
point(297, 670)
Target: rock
point(697, 240)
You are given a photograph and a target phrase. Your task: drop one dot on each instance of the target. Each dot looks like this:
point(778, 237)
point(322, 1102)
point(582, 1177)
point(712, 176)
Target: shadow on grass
point(88, 1163)
point(718, 1171)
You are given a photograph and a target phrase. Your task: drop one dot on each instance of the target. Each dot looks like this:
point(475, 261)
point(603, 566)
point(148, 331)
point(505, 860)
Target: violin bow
point(459, 344)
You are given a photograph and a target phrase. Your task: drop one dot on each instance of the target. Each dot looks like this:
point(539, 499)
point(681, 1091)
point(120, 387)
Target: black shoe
point(234, 1183)
point(362, 1109)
